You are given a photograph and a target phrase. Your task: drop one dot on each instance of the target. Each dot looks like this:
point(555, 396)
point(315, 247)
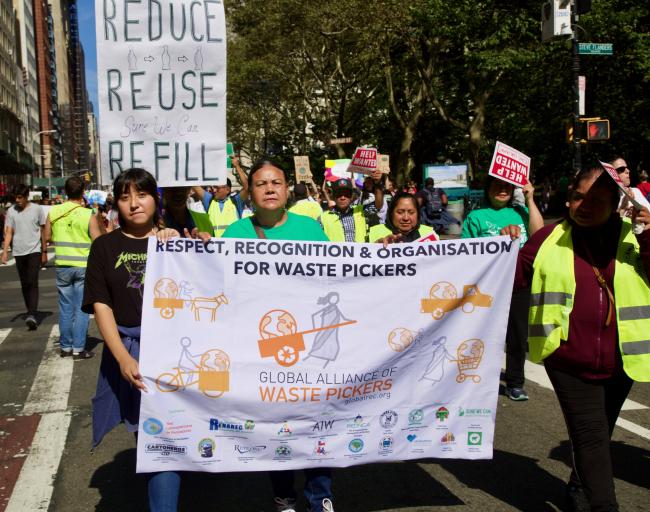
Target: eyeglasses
point(621, 169)
point(340, 193)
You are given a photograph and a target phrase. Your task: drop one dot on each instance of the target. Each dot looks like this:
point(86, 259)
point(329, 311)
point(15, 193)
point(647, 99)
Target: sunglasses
point(340, 193)
point(621, 169)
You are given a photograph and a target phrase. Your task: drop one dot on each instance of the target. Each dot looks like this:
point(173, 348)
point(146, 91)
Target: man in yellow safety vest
point(223, 208)
point(72, 227)
point(347, 223)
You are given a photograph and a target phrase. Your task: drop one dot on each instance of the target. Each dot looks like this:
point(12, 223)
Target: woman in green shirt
point(489, 222)
point(269, 190)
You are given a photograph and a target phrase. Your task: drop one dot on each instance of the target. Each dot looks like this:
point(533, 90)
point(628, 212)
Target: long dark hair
point(393, 205)
point(143, 181)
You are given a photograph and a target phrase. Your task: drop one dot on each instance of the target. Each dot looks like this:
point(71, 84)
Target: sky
point(86, 13)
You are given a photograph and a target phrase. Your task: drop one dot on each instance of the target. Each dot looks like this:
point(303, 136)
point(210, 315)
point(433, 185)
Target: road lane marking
point(3, 334)
point(12, 261)
point(51, 386)
point(537, 374)
point(48, 397)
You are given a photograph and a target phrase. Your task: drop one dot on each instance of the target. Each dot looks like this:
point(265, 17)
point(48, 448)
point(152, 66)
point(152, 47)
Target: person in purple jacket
point(593, 356)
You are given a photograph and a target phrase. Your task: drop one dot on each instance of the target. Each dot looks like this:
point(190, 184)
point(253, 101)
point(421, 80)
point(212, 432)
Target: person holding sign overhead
point(347, 223)
point(589, 322)
point(269, 190)
point(224, 209)
point(489, 222)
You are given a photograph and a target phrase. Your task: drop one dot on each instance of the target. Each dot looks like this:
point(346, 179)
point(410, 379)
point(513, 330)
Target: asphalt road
point(529, 470)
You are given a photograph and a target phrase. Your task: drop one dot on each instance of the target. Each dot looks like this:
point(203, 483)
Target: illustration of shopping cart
point(470, 354)
point(283, 342)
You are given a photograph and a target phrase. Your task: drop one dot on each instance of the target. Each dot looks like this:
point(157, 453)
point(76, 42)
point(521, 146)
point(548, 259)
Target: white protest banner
point(509, 165)
point(609, 169)
point(267, 355)
point(336, 169)
point(161, 70)
point(303, 171)
point(364, 161)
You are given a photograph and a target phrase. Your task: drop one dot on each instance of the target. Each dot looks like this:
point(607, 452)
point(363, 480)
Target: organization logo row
point(413, 434)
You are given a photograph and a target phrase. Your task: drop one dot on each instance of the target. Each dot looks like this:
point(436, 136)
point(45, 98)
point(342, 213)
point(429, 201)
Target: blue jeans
point(163, 490)
point(318, 486)
point(73, 323)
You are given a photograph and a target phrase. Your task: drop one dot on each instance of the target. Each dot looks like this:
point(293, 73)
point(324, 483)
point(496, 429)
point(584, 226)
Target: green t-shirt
point(490, 222)
point(297, 227)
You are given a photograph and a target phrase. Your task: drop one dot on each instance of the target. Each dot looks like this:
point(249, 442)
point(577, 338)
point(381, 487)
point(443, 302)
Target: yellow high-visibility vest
point(307, 208)
point(381, 230)
point(553, 290)
point(334, 228)
point(70, 235)
point(221, 219)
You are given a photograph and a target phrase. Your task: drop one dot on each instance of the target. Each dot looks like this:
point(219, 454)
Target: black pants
point(28, 267)
point(590, 409)
point(517, 339)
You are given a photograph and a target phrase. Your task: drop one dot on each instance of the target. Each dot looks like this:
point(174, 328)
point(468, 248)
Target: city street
point(47, 464)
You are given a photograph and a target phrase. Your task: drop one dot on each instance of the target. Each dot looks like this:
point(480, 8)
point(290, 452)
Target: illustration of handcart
point(470, 354)
point(443, 298)
point(280, 339)
point(211, 373)
point(166, 299)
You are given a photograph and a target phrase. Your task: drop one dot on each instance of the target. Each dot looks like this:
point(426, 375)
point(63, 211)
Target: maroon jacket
point(591, 352)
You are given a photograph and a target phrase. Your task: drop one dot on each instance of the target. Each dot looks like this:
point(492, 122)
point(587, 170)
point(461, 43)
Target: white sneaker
point(285, 504)
point(327, 505)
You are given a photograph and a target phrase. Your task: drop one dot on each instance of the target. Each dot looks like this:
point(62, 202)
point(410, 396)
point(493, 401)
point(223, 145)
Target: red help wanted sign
point(364, 161)
point(510, 165)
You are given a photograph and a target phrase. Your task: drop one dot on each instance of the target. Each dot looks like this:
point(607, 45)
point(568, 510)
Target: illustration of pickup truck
point(443, 298)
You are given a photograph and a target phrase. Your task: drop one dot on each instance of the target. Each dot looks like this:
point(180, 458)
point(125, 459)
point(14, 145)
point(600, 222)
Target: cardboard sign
point(364, 161)
point(510, 165)
point(162, 89)
point(383, 163)
point(609, 169)
point(303, 171)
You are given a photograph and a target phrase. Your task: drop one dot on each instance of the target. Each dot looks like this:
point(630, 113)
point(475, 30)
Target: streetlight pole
point(575, 67)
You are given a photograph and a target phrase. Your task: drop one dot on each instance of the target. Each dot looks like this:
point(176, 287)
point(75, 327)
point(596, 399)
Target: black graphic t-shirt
point(115, 276)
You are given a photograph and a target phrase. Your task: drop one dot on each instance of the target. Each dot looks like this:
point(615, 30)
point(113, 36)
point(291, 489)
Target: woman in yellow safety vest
point(589, 322)
point(402, 222)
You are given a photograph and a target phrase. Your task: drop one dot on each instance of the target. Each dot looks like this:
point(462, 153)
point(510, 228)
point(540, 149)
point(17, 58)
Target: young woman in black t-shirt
point(113, 292)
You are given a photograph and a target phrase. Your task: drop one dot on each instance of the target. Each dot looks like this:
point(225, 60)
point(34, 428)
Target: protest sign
point(431, 237)
point(509, 165)
point(337, 169)
point(383, 163)
point(269, 355)
point(364, 161)
point(161, 71)
point(609, 169)
point(96, 197)
point(303, 172)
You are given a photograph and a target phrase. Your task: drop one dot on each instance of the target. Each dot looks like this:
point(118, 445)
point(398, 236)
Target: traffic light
point(597, 130)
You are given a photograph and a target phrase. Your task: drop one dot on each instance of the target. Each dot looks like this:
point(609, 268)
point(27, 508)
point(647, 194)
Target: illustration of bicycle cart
point(166, 299)
point(211, 374)
point(443, 298)
point(470, 354)
point(280, 339)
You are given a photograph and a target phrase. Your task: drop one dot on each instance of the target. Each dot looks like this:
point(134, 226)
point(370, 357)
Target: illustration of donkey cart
point(166, 297)
point(470, 354)
point(280, 339)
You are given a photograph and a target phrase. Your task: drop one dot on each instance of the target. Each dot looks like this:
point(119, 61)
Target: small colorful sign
point(510, 165)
